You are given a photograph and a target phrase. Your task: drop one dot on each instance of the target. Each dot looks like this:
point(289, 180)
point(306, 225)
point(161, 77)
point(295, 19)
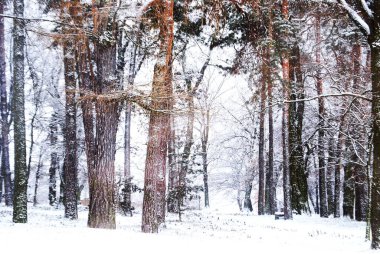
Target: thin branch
point(330, 95)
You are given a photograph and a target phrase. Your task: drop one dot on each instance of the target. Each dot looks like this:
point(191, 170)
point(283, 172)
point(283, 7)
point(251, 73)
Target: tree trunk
point(173, 199)
point(261, 197)
point(271, 193)
point(330, 176)
point(21, 177)
point(375, 190)
point(285, 122)
point(321, 125)
point(54, 161)
point(70, 169)
point(38, 176)
point(5, 167)
point(298, 176)
point(204, 141)
point(159, 124)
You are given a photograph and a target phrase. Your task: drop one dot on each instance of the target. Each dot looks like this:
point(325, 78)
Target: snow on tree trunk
point(374, 41)
point(159, 124)
point(285, 122)
point(70, 173)
point(261, 196)
point(21, 174)
point(54, 160)
point(5, 171)
point(298, 178)
point(321, 125)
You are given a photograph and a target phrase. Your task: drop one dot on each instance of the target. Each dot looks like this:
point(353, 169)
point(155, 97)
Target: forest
point(163, 109)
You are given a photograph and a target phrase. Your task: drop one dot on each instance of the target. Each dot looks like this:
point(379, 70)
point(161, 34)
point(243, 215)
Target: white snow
point(201, 231)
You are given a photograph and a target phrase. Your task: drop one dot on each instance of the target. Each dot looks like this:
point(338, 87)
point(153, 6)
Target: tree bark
point(21, 177)
point(261, 196)
point(298, 176)
point(159, 124)
point(321, 125)
point(5, 172)
point(285, 122)
point(204, 142)
point(54, 160)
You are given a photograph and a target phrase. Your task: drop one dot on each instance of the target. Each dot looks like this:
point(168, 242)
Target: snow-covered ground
point(201, 231)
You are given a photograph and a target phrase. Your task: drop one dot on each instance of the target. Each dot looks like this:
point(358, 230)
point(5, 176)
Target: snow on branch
point(355, 16)
point(358, 96)
point(366, 8)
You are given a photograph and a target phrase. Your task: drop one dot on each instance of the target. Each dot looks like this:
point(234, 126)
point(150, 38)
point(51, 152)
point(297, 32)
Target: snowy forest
point(229, 119)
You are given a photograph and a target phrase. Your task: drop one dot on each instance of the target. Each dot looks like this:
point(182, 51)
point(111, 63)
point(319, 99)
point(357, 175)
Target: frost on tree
point(21, 174)
point(366, 14)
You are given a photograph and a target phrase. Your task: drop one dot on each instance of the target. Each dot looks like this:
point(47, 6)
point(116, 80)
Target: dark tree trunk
point(330, 175)
point(375, 189)
point(5, 172)
point(21, 174)
point(54, 160)
point(321, 125)
point(102, 179)
point(270, 185)
point(38, 176)
point(261, 197)
point(70, 169)
point(159, 125)
point(298, 176)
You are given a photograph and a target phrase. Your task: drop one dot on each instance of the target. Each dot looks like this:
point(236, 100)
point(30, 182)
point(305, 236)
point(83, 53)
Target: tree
point(5, 171)
point(18, 111)
point(367, 17)
point(159, 123)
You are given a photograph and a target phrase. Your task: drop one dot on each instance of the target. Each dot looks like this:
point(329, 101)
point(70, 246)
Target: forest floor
point(200, 231)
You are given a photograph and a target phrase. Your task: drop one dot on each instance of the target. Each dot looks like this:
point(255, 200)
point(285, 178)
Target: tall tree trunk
point(21, 177)
point(102, 179)
point(375, 189)
point(321, 125)
point(298, 176)
point(159, 124)
point(70, 169)
point(271, 193)
point(330, 175)
point(285, 121)
point(261, 196)
point(5, 171)
point(54, 160)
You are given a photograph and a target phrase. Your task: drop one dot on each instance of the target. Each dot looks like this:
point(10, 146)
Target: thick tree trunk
point(21, 174)
point(298, 176)
point(159, 125)
point(321, 125)
point(5, 171)
point(54, 161)
point(285, 122)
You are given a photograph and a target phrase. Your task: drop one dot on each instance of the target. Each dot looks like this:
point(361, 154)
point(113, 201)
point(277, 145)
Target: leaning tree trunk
point(5, 171)
point(285, 122)
point(21, 174)
point(321, 125)
point(159, 124)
